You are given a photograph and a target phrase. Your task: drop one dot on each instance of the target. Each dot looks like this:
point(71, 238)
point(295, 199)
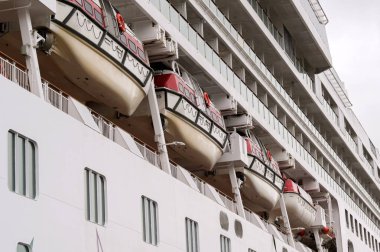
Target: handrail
point(319, 12)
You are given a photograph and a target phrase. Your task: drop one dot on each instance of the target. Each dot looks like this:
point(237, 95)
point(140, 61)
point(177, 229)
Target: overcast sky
point(354, 38)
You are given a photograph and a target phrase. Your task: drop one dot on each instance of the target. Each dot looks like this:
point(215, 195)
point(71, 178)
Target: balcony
point(300, 19)
point(234, 81)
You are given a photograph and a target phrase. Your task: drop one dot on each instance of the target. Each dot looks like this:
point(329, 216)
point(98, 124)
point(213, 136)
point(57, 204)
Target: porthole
point(238, 229)
point(223, 219)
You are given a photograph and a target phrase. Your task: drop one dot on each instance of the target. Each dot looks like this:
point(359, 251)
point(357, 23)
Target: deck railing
point(55, 97)
point(11, 71)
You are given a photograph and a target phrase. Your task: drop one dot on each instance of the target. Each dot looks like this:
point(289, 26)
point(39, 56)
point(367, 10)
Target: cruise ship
point(179, 125)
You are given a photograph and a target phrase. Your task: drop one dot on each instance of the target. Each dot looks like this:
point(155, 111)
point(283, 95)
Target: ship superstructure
point(179, 125)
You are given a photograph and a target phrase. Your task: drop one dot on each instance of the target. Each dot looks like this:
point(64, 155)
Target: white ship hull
point(56, 220)
point(265, 65)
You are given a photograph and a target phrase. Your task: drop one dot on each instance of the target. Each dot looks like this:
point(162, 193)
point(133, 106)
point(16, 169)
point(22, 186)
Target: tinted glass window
point(123, 39)
point(132, 46)
point(79, 2)
point(187, 93)
point(181, 88)
point(98, 17)
point(88, 7)
point(141, 54)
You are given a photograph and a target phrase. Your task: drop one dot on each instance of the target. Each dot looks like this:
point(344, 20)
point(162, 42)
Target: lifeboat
point(190, 117)
point(98, 53)
point(299, 205)
point(262, 178)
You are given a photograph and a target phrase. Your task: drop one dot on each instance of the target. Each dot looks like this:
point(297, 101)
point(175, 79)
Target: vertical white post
point(28, 41)
point(285, 217)
point(318, 241)
point(329, 205)
point(159, 137)
point(236, 191)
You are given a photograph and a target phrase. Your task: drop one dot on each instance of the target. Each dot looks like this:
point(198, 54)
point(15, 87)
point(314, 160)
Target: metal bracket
point(159, 137)
point(37, 38)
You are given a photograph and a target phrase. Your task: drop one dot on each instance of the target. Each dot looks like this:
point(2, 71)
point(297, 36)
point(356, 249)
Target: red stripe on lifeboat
point(290, 186)
point(169, 81)
point(249, 145)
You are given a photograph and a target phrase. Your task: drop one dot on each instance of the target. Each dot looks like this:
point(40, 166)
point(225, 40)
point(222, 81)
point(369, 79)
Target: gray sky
point(354, 38)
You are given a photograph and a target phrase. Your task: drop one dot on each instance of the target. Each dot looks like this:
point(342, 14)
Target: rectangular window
point(99, 17)
point(150, 220)
point(141, 54)
point(365, 235)
point(132, 46)
point(22, 165)
point(356, 227)
point(96, 199)
point(361, 231)
point(352, 223)
point(123, 39)
point(192, 238)
point(347, 222)
point(88, 7)
point(225, 244)
point(373, 243)
point(369, 240)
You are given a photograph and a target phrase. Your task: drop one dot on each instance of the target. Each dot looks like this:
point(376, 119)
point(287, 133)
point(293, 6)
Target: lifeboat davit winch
point(99, 53)
point(299, 205)
point(262, 178)
point(190, 117)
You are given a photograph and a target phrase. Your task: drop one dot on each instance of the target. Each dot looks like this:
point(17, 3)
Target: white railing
point(330, 111)
point(106, 127)
point(52, 94)
point(148, 154)
point(55, 96)
point(10, 71)
point(351, 142)
point(227, 201)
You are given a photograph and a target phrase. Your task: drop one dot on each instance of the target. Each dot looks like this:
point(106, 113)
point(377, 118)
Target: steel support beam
point(318, 241)
point(159, 137)
point(29, 41)
point(285, 217)
point(236, 191)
